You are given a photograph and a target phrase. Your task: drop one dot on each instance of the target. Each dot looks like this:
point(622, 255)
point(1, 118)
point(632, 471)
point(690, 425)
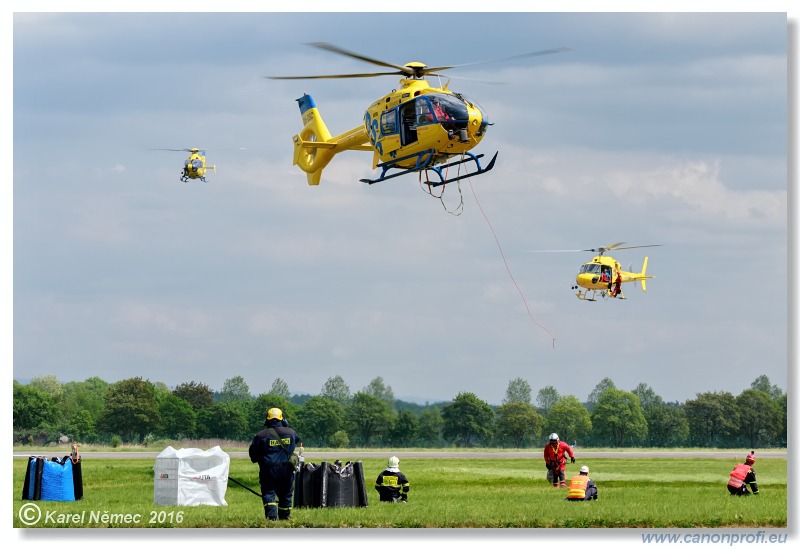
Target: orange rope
point(508, 269)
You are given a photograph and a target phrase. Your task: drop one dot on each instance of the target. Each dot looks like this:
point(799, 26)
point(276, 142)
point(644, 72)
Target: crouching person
point(392, 484)
point(742, 476)
point(581, 487)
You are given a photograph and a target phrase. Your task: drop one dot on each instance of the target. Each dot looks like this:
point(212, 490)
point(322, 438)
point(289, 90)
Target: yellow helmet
point(274, 413)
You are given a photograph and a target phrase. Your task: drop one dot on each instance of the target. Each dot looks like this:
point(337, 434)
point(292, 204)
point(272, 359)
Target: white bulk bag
point(191, 477)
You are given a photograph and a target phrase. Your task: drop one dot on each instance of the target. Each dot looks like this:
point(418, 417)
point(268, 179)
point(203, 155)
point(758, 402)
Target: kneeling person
point(581, 487)
point(392, 484)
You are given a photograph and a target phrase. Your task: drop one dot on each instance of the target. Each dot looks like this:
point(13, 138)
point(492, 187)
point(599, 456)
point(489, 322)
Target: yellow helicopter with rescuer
point(194, 167)
point(603, 274)
point(414, 128)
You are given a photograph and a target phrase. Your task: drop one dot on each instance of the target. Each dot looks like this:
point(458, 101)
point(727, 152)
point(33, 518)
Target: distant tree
point(82, 403)
point(546, 398)
point(80, 425)
point(235, 389)
point(468, 420)
point(618, 416)
point(368, 417)
point(762, 383)
point(280, 387)
point(647, 396)
point(666, 425)
point(197, 394)
point(319, 419)
point(178, 418)
point(224, 420)
point(782, 433)
point(49, 385)
point(33, 408)
point(519, 424)
point(131, 409)
point(403, 431)
point(378, 389)
point(518, 391)
point(569, 418)
point(759, 417)
point(335, 388)
point(429, 430)
point(713, 419)
point(603, 385)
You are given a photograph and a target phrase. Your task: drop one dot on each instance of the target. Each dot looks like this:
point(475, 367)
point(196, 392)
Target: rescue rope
point(457, 211)
point(245, 486)
point(508, 269)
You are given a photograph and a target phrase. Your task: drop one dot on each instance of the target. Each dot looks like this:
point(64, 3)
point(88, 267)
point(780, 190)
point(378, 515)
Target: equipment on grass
point(190, 477)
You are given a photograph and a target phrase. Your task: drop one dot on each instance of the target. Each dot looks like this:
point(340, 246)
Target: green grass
point(453, 493)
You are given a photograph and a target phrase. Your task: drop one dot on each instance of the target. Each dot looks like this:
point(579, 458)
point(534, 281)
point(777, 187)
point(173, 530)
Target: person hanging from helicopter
point(617, 290)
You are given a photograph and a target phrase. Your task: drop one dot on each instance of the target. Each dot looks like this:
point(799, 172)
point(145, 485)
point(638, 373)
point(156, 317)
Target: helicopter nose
point(586, 279)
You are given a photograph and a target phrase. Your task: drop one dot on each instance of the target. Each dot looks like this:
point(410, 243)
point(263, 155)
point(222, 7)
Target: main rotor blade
point(639, 246)
point(341, 51)
point(573, 250)
point(520, 56)
point(359, 75)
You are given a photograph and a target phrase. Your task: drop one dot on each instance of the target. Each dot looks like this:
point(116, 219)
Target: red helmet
point(751, 458)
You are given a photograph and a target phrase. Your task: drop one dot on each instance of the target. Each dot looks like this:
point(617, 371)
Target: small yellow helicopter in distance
point(415, 128)
point(194, 167)
point(603, 274)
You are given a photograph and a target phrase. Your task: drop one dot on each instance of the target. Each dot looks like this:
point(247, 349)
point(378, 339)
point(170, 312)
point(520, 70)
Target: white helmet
point(584, 469)
point(394, 462)
point(553, 436)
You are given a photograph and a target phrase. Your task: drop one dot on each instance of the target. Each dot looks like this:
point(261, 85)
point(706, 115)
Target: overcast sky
point(654, 128)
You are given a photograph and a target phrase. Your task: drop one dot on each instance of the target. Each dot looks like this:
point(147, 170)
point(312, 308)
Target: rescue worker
point(392, 484)
point(271, 449)
point(581, 487)
point(617, 290)
point(742, 476)
point(555, 460)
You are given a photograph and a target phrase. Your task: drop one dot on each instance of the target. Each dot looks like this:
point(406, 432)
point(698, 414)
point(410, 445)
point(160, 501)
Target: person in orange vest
point(742, 476)
point(555, 460)
point(581, 487)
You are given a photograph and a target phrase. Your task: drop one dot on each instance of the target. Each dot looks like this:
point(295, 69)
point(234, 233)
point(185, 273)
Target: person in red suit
point(556, 460)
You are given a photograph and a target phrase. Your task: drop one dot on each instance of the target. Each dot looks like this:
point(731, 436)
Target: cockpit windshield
point(447, 107)
point(590, 268)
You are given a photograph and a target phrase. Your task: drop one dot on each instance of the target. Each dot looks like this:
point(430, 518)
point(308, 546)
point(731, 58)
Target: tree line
point(141, 412)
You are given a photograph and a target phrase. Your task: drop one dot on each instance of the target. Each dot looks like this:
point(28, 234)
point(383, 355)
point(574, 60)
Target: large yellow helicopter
point(604, 275)
point(415, 128)
point(194, 167)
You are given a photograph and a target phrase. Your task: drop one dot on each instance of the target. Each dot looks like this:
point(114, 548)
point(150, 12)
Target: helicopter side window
point(424, 112)
point(389, 122)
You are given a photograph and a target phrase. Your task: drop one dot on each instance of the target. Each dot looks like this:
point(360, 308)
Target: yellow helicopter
point(415, 128)
point(194, 167)
point(604, 275)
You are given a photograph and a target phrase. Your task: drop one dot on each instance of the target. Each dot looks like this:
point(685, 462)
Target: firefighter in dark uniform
point(742, 476)
point(392, 484)
point(271, 449)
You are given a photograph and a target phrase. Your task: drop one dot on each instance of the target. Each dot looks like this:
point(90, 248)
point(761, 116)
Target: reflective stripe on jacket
point(577, 487)
point(738, 475)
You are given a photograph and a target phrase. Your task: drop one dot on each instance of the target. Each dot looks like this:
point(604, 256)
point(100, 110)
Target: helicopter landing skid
point(424, 161)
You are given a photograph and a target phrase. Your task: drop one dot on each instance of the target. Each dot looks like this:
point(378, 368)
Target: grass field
point(445, 493)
